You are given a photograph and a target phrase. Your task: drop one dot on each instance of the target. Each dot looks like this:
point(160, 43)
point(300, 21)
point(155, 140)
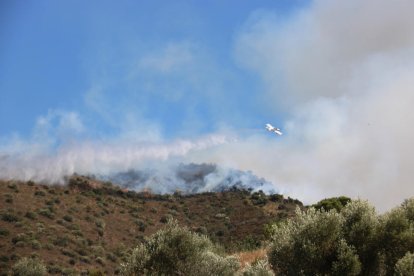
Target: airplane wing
point(276, 130)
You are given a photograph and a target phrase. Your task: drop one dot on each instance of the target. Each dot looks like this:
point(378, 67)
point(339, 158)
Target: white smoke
point(188, 178)
point(92, 157)
point(344, 71)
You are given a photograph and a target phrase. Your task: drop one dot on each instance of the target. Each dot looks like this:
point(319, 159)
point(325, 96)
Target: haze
point(105, 87)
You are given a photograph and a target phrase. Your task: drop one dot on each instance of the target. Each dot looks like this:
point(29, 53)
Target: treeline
point(352, 241)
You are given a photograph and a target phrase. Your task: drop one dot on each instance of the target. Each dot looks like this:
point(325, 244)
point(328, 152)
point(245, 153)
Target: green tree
point(351, 242)
point(307, 244)
point(348, 261)
point(175, 250)
point(336, 203)
point(360, 229)
point(396, 235)
point(405, 265)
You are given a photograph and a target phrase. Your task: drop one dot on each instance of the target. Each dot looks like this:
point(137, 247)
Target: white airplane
point(276, 130)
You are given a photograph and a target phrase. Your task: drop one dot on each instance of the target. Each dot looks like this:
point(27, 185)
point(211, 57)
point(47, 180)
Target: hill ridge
point(89, 224)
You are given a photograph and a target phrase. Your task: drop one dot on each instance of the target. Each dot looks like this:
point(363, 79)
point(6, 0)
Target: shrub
point(30, 215)
point(12, 186)
point(72, 261)
point(54, 269)
point(100, 261)
point(36, 244)
point(46, 212)
point(100, 232)
point(100, 223)
point(396, 236)
point(68, 218)
point(276, 197)
point(405, 265)
point(353, 241)
point(258, 268)
point(21, 237)
point(307, 244)
point(360, 229)
point(259, 198)
point(141, 224)
point(39, 193)
point(166, 218)
point(177, 251)
point(348, 262)
point(29, 267)
point(62, 241)
point(4, 232)
point(9, 217)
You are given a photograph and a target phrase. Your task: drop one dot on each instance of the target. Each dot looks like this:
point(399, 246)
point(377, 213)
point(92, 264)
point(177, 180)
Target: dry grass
point(248, 257)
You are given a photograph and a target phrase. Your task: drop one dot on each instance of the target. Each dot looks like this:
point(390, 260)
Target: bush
point(405, 265)
point(4, 232)
point(276, 197)
point(8, 217)
point(21, 237)
point(258, 268)
point(61, 241)
point(29, 267)
point(307, 244)
point(177, 251)
point(39, 193)
point(100, 223)
point(166, 218)
point(46, 212)
point(396, 236)
point(12, 186)
point(68, 218)
point(259, 198)
point(353, 241)
point(36, 244)
point(141, 224)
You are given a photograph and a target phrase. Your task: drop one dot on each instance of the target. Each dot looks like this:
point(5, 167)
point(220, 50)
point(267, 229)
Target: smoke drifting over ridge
point(342, 71)
point(346, 71)
point(189, 178)
point(51, 166)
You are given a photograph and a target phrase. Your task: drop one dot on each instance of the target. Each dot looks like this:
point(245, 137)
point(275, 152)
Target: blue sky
point(122, 64)
point(106, 86)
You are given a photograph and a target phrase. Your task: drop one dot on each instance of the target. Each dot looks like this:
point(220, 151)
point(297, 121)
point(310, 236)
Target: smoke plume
point(343, 70)
point(52, 165)
point(188, 178)
point(340, 72)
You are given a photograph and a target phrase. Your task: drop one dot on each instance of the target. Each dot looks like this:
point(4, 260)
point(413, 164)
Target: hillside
point(89, 224)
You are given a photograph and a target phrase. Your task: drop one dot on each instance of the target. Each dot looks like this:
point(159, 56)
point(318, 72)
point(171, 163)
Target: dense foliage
point(336, 203)
point(175, 250)
point(258, 268)
point(352, 241)
point(405, 265)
